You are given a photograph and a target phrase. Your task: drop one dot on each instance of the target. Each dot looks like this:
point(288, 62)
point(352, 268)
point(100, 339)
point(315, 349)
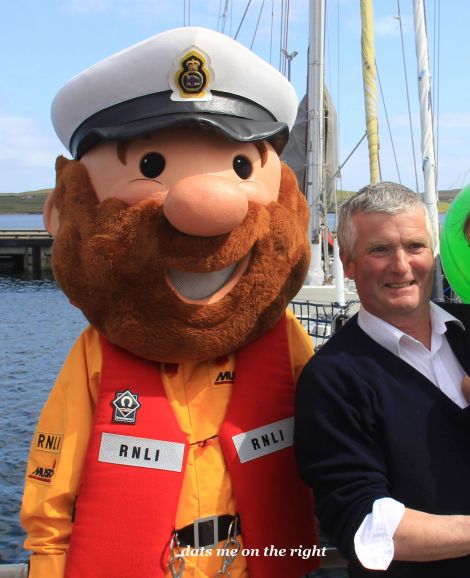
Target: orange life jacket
point(132, 475)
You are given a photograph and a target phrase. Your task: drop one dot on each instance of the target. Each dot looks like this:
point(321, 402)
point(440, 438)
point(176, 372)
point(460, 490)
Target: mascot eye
point(242, 166)
point(152, 165)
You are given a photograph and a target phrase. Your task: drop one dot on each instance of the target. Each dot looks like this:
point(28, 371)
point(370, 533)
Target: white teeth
point(200, 285)
point(399, 285)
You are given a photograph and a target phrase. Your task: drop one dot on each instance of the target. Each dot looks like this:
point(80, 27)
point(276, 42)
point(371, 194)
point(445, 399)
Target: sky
point(44, 43)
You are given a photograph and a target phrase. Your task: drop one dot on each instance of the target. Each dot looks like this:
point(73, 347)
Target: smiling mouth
point(206, 287)
point(400, 285)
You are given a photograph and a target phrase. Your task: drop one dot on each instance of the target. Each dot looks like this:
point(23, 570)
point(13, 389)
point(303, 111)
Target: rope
point(243, 18)
point(388, 125)
point(407, 96)
point(257, 24)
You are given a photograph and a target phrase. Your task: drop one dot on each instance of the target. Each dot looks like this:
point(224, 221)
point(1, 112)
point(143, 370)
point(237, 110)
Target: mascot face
point(181, 245)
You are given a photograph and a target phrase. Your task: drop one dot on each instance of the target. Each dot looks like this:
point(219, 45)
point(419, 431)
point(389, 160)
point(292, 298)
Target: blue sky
point(44, 43)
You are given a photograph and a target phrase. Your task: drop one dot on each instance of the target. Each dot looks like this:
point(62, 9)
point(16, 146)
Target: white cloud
point(459, 120)
point(27, 155)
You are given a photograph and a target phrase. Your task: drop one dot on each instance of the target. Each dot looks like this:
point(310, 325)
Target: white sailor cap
point(180, 77)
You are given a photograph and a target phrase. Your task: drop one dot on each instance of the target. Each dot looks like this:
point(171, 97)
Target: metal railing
point(321, 320)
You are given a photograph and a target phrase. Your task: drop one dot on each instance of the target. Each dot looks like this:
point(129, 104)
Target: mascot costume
point(165, 447)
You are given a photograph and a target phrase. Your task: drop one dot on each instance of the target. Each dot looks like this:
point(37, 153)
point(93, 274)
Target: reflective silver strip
point(141, 452)
point(264, 440)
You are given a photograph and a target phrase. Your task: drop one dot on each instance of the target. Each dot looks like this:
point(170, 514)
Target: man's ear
point(348, 264)
point(50, 215)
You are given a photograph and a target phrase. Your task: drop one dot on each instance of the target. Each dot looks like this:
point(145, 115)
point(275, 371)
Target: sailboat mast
point(427, 140)
point(370, 87)
point(315, 134)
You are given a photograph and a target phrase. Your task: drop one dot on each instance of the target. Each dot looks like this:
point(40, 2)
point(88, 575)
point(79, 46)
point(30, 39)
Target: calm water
point(20, 221)
point(38, 328)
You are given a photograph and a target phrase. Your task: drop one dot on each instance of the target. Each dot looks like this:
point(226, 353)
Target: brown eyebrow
point(263, 151)
point(121, 150)
point(123, 145)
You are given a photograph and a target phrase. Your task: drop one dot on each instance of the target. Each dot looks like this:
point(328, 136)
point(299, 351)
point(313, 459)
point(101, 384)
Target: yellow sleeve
point(300, 343)
point(56, 456)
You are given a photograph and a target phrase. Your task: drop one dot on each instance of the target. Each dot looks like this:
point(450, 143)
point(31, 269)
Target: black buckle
point(206, 532)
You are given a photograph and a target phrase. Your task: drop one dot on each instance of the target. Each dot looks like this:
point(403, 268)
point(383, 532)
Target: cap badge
point(192, 79)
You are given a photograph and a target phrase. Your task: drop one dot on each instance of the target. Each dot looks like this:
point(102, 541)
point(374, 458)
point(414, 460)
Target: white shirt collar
point(389, 336)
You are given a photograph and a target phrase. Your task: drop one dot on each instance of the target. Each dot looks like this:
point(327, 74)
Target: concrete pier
point(25, 251)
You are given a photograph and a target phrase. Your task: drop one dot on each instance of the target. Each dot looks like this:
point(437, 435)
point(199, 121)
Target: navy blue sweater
point(368, 425)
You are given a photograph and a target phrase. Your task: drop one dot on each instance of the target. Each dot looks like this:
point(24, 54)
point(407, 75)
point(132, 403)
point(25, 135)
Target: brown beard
point(110, 258)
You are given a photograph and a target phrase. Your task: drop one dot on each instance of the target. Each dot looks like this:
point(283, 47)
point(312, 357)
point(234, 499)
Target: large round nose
point(205, 205)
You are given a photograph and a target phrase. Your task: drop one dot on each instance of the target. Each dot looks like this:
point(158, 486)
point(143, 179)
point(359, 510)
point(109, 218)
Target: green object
point(455, 249)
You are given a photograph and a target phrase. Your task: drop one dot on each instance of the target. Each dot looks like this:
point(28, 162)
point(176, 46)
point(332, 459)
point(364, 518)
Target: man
point(382, 426)
point(165, 448)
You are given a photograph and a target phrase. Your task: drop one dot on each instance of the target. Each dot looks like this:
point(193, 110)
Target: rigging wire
point(271, 33)
point(242, 20)
point(337, 118)
point(338, 172)
point(284, 37)
point(407, 95)
point(219, 15)
point(436, 85)
point(223, 16)
point(187, 10)
point(286, 34)
point(281, 36)
point(388, 124)
point(231, 18)
point(257, 24)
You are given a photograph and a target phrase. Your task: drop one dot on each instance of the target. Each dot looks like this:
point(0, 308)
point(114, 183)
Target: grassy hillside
point(33, 201)
point(29, 202)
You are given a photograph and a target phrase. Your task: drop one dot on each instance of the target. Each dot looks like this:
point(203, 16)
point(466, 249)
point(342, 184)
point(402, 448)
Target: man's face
point(392, 266)
point(188, 257)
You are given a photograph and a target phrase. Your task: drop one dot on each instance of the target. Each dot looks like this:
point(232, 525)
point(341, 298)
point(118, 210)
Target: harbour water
point(14, 221)
point(38, 327)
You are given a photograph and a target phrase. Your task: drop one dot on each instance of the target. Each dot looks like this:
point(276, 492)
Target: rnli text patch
point(48, 442)
point(264, 440)
point(141, 452)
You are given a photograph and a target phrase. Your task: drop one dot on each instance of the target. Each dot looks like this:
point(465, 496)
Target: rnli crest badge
point(192, 78)
point(126, 404)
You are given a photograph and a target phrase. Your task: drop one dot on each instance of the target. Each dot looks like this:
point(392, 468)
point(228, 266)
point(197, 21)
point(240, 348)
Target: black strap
point(205, 530)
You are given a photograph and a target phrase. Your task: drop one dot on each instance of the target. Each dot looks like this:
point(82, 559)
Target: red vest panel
point(125, 515)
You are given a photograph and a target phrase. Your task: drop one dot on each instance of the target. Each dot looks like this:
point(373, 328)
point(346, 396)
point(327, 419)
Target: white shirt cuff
point(373, 540)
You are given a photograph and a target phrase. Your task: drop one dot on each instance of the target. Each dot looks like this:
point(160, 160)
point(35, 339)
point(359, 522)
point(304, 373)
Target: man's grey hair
point(386, 197)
